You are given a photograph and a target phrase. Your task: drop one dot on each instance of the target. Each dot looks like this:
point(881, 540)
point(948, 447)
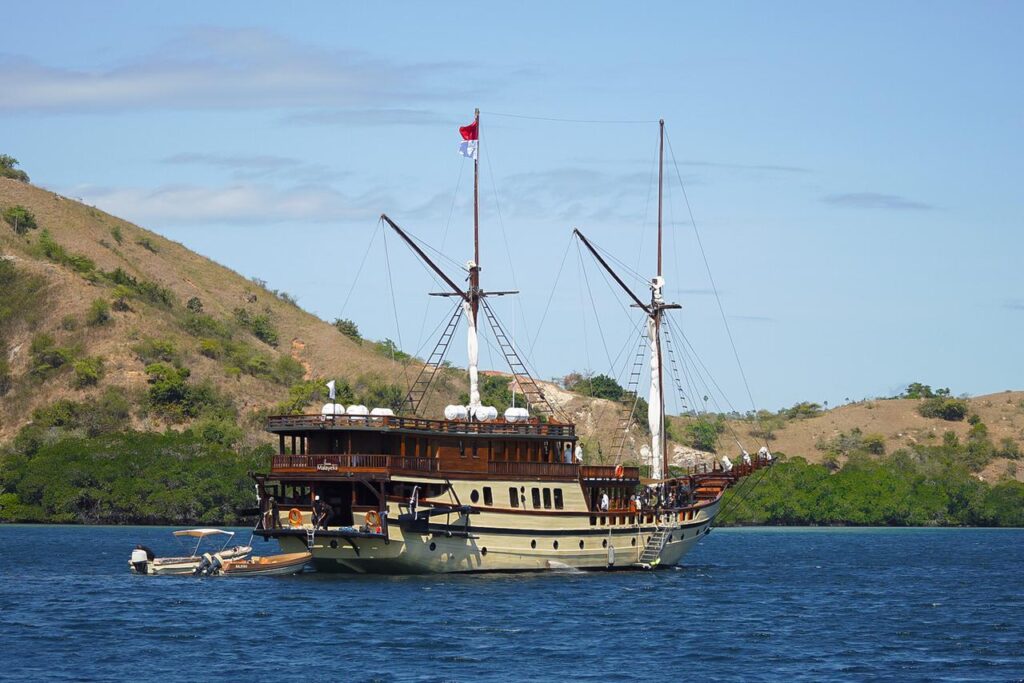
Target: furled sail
point(473, 352)
point(654, 401)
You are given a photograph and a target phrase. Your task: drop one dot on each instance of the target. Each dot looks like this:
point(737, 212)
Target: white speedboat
point(144, 561)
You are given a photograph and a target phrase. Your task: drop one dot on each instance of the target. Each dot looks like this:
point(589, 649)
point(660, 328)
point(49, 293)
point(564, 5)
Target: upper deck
point(533, 428)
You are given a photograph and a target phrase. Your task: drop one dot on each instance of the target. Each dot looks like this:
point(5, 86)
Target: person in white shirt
point(604, 502)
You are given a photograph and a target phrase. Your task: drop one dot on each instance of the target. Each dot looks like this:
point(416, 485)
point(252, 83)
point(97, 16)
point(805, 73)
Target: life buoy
point(619, 472)
point(372, 519)
point(295, 517)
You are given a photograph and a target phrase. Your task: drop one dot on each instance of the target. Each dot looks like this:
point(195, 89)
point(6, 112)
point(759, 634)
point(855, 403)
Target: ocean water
point(749, 604)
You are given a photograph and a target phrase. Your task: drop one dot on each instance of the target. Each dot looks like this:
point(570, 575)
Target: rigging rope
point(711, 279)
point(551, 295)
point(394, 308)
point(362, 263)
point(559, 120)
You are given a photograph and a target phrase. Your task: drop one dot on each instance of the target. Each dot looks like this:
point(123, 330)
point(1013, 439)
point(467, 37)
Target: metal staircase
point(651, 555)
point(533, 393)
point(422, 384)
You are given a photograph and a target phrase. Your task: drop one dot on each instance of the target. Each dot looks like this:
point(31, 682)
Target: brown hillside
point(83, 230)
point(900, 423)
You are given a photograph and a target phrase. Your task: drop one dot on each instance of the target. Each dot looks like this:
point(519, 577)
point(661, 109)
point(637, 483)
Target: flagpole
point(474, 276)
point(658, 311)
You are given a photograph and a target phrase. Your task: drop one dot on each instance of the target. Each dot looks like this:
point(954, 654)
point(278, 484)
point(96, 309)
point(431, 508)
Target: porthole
point(433, 546)
point(604, 543)
point(334, 543)
point(555, 545)
point(633, 541)
point(581, 544)
point(533, 544)
point(474, 496)
point(483, 551)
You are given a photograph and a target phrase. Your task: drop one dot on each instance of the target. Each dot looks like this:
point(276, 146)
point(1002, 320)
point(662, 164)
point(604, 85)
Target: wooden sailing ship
point(373, 492)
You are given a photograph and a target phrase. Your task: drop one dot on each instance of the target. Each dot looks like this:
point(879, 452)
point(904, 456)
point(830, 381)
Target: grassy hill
point(85, 287)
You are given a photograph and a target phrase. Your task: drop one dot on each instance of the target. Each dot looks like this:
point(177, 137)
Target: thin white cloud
point(367, 117)
point(875, 200)
point(252, 203)
point(253, 166)
point(217, 68)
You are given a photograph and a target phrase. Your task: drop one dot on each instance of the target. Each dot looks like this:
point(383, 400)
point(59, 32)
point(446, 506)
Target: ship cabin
point(359, 463)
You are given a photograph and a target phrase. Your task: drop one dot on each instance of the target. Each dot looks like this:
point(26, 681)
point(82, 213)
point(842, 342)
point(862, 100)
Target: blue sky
point(854, 169)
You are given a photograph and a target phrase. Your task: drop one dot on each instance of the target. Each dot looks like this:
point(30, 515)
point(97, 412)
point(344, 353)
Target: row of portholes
point(533, 544)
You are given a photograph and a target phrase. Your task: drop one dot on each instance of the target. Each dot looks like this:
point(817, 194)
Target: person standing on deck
point(604, 501)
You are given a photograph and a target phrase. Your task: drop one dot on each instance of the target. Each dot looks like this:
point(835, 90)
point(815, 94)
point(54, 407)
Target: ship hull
point(489, 549)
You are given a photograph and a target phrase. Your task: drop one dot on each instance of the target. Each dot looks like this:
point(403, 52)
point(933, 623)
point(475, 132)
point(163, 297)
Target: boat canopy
point(203, 533)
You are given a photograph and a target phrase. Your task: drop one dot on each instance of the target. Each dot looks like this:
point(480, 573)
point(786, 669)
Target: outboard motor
point(140, 560)
point(207, 566)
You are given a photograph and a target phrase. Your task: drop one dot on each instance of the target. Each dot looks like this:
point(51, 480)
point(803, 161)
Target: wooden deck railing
point(353, 462)
point(534, 469)
point(284, 423)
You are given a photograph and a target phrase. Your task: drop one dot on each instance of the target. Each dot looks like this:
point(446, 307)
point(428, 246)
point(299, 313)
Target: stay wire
point(711, 279)
point(394, 309)
point(551, 296)
point(359, 271)
point(561, 120)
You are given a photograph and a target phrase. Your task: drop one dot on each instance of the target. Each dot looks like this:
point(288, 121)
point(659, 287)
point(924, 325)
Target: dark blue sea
point(749, 604)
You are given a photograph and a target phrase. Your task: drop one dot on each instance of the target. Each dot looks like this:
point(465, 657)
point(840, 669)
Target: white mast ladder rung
point(533, 393)
point(434, 361)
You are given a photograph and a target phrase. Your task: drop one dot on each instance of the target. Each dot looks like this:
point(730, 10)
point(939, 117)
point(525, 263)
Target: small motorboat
point(271, 565)
point(144, 561)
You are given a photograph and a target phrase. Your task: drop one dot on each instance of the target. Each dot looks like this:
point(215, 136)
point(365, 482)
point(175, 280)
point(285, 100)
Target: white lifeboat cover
point(516, 414)
point(332, 409)
point(485, 413)
point(382, 412)
point(357, 410)
point(455, 412)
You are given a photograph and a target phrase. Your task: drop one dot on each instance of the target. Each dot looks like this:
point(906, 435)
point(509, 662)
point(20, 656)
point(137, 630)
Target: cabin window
point(462, 449)
point(547, 499)
point(559, 503)
point(474, 496)
point(487, 496)
point(544, 451)
point(536, 498)
point(513, 497)
point(475, 453)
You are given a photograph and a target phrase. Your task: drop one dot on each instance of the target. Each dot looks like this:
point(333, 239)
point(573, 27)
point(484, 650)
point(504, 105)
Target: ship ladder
point(651, 555)
point(310, 536)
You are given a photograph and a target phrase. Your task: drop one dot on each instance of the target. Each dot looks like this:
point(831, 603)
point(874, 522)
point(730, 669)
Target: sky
point(845, 176)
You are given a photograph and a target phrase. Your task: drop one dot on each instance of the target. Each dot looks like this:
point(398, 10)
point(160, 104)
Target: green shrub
point(195, 305)
point(151, 350)
point(143, 290)
point(874, 444)
point(147, 244)
point(173, 396)
point(69, 323)
point(88, 372)
point(389, 349)
point(211, 348)
point(348, 328)
point(203, 325)
point(802, 411)
point(98, 314)
point(1008, 448)
point(597, 386)
point(47, 356)
point(23, 297)
point(7, 170)
point(702, 433)
point(121, 296)
point(950, 409)
point(20, 219)
point(288, 371)
point(115, 232)
point(6, 380)
point(259, 325)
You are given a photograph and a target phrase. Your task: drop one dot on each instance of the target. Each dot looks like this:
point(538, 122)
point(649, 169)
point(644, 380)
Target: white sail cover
point(654, 403)
point(473, 352)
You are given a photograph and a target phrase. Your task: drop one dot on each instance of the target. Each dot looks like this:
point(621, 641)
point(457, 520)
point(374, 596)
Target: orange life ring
point(372, 519)
point(619, 472)
point(295, 517)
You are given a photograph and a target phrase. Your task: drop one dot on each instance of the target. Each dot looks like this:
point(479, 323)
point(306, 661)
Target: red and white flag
point(470, 140)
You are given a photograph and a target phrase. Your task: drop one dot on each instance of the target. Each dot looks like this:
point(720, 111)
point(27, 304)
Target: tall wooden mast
point(658, 302)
